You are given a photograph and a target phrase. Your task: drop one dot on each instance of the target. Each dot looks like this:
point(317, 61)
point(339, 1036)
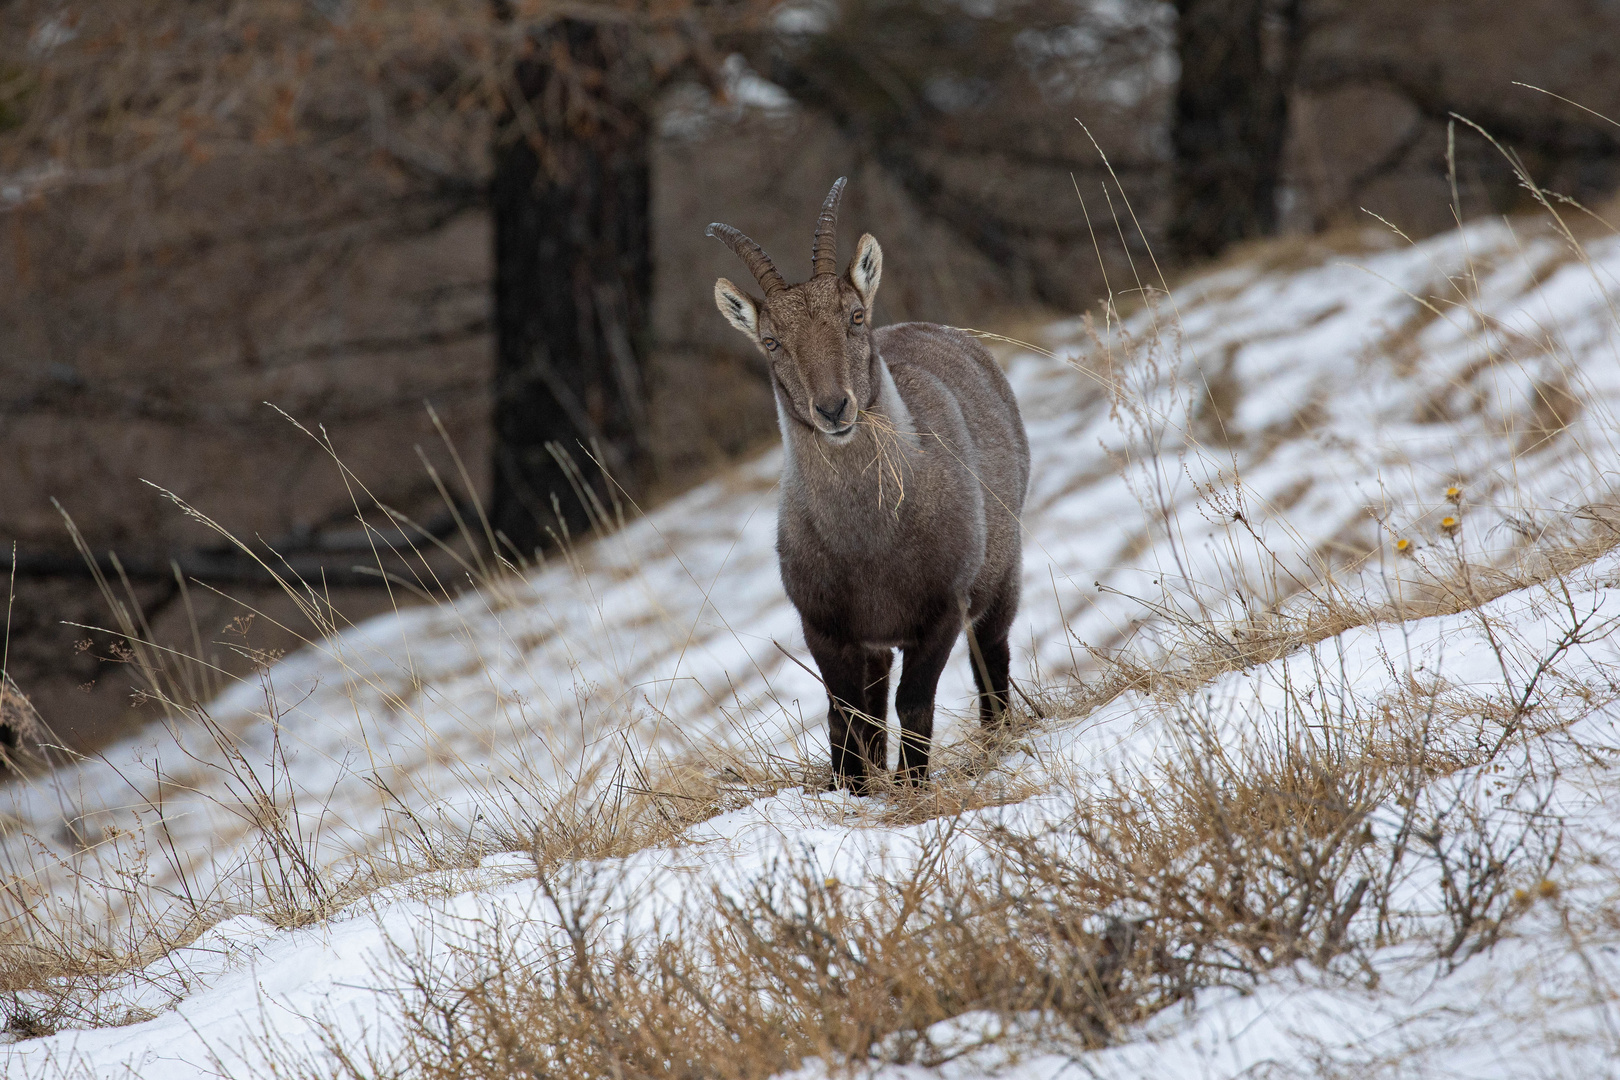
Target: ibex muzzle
point(906, 470)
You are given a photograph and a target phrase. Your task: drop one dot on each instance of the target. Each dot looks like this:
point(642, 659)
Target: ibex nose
point(835, 414)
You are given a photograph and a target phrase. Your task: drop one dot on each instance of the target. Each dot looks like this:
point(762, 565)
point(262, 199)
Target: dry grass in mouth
point(890, 462)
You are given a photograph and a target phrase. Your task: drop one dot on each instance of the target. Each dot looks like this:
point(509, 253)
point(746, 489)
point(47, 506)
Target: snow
point(1346, 405)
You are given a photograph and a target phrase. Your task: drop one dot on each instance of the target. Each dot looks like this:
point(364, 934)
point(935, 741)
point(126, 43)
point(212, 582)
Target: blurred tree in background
point(571, 212)
point(1238, 59)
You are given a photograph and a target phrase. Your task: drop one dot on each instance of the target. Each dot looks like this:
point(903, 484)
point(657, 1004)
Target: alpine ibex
point(905, 472)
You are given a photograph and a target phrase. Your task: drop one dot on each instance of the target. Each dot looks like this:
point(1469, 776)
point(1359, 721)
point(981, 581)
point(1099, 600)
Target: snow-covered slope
point(1215, 457)
point(1542, 1003)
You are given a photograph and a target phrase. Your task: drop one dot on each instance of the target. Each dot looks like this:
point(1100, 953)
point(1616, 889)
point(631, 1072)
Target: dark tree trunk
point(573, 282)
point(1231, 119)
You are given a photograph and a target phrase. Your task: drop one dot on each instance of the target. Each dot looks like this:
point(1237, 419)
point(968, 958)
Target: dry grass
point(1448, 586)
point(1227, 865)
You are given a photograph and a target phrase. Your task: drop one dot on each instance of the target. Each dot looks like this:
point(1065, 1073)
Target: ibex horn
point(759, 263)
point(824, 256)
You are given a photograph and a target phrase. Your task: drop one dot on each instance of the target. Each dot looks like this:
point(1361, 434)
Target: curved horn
point(759, 263)
point(824, 256)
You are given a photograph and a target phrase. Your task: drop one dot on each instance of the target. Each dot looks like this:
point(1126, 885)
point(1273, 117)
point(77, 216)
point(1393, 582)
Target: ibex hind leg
point(856, 743)
point(992, 662)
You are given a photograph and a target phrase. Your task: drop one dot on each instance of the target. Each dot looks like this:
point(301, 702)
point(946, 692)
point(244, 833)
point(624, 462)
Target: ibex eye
point(771, 344)
point(858, 318)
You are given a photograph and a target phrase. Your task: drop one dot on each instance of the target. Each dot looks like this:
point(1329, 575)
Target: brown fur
point(906, 470)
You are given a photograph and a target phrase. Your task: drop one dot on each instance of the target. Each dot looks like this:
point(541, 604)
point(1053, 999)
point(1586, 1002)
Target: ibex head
point(815, 335)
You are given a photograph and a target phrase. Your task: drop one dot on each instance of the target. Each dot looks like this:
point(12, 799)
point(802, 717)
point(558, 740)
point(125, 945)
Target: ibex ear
point(740, 309)
point(866, 268)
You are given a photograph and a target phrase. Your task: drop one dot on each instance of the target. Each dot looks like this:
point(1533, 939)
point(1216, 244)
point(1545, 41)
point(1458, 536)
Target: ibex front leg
point(914, 700)
point(856, 740)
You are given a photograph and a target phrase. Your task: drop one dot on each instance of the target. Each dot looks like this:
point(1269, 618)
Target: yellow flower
point(1449, 524)
point(1403, 546)
point(830, 883)
point(1454, 495)
point(1547, 890)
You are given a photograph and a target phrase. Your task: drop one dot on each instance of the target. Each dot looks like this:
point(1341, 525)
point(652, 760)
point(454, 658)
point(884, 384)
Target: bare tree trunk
point(1231, 119)
point(573, 281)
